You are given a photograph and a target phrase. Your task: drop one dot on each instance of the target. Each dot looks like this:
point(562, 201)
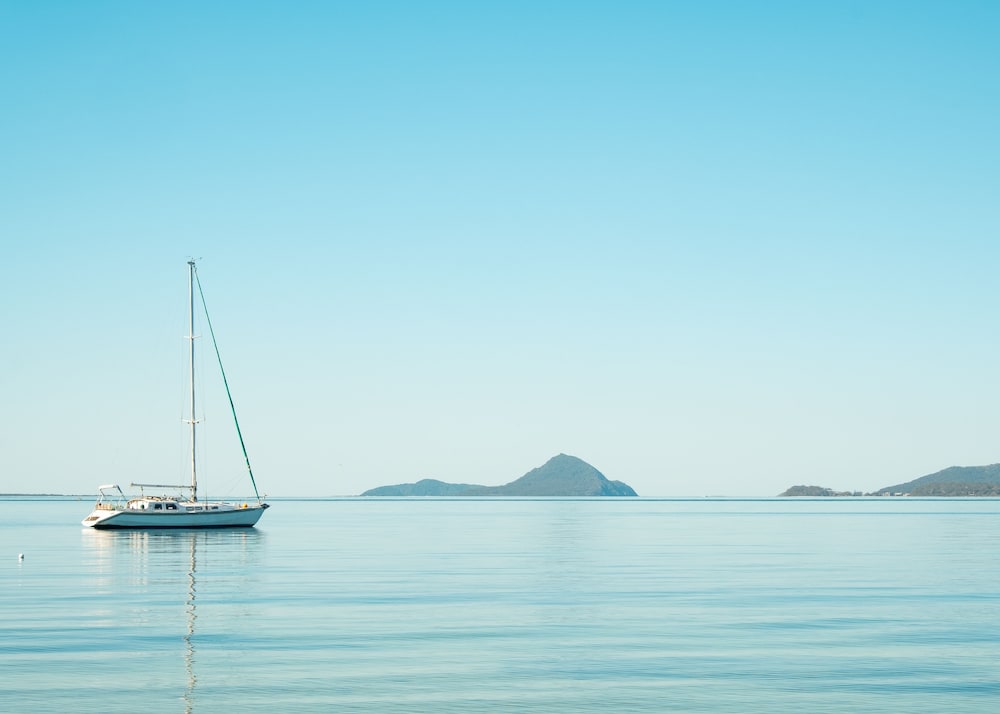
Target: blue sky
point(711, 248)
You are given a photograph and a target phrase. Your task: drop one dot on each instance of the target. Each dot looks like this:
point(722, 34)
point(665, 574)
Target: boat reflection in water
point(151, 573)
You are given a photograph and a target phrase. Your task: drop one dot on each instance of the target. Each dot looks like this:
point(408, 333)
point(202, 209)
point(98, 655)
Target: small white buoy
point(20, 556)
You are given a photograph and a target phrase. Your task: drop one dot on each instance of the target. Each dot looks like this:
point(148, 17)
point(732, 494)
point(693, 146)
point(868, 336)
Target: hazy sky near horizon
point(712, 248)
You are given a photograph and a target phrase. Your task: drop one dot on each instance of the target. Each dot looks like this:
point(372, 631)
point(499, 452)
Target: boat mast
point(193, 420)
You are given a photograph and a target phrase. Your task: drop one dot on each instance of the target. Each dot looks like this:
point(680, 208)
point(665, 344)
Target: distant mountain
point(953, 481)
point(560, 476)
point(424, 487)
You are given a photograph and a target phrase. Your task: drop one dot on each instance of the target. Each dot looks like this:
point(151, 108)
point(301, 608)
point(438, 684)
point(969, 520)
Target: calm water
point(633, 605)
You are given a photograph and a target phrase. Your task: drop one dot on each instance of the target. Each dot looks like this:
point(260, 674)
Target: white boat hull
point(229, 517)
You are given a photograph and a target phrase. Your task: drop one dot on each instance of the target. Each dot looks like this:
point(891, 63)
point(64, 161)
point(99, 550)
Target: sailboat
point(114, 510)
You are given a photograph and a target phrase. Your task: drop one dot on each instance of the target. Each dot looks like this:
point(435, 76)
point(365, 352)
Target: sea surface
point(457, 605)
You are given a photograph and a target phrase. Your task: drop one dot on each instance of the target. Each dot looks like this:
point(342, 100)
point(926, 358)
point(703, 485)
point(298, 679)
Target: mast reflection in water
point(159, 574)
point(192, 615)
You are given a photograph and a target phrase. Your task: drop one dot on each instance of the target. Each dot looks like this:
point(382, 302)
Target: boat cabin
point(165, 503)
point(152, 504)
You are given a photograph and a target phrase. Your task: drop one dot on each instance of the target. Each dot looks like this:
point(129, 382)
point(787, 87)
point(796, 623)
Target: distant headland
point(957, 481)
point(561, 476)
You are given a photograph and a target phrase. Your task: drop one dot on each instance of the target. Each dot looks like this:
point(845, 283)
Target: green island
point(955, 481)
point(561, 476)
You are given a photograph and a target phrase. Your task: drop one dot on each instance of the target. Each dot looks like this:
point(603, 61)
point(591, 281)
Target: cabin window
point(171, 506)
point(157, 506)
